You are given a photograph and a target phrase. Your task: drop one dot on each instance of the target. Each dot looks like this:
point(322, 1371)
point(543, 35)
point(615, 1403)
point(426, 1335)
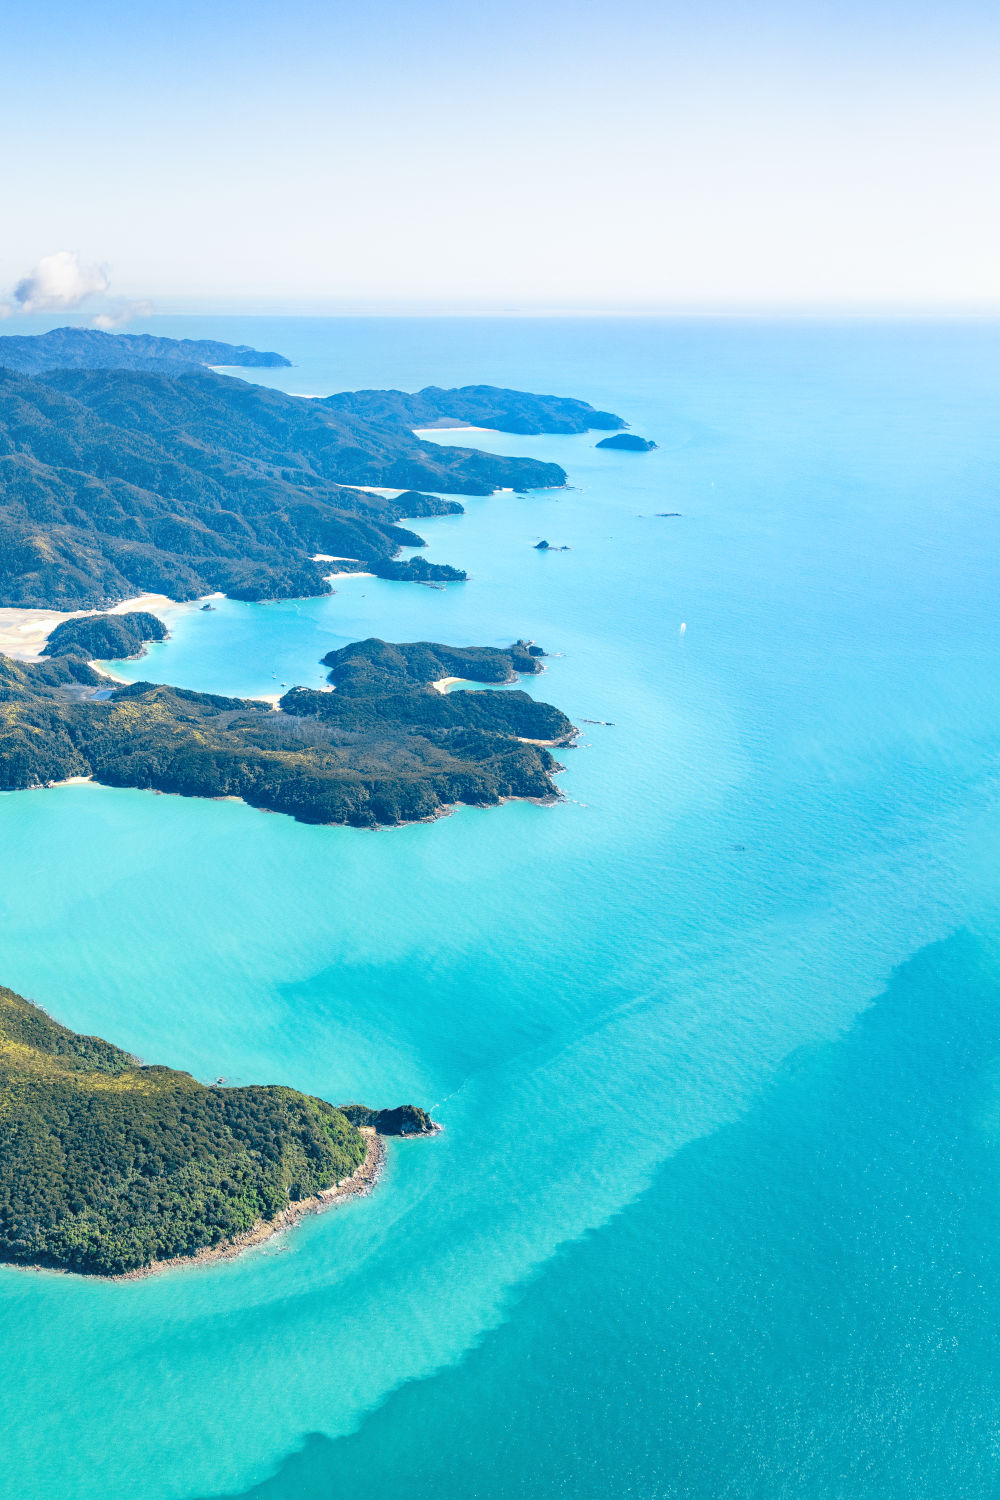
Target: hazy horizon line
point(749, 312)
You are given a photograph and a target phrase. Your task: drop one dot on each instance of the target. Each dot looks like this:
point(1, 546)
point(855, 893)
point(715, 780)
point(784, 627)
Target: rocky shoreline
point(358, 1185)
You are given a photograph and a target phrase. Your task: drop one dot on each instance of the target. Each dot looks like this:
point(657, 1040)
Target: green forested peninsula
point(472, 405)
point(386, 747)
point(414, 570)
point(172, 479)
point(380, 684)
point(106, 637)
point(365, 667)
point(106, 1165)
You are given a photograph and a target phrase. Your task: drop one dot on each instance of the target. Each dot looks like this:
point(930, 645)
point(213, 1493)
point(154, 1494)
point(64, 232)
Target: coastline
point(24, 632)
point(359, 1185)
point(104, 671)
point(448, 424)
point(331, 558)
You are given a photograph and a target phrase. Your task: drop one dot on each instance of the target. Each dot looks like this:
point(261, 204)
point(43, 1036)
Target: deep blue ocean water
point(716, 1039)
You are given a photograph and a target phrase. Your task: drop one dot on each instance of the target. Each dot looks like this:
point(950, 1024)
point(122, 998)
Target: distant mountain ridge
point(92, 349)
point(175, 479)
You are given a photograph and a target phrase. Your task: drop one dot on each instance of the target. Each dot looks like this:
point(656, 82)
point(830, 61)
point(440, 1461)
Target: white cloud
point(59, 283)
point(118, 313)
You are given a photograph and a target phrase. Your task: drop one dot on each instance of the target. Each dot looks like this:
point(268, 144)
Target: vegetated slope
point(628, 442)
point(106, 1165)
point(379, 683)
point(106, 637)
point(478, 405)
point(372, 665)
point(94, 511)
point(248, 429)
point(91, 349)
point(114, 482)
point(379, 752)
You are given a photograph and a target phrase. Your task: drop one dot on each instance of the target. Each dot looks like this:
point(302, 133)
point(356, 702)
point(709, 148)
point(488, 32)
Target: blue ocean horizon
point(715, 1039)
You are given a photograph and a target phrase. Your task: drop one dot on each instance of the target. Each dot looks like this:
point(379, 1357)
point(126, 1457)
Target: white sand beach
point(342, 573)
point(445, 424)
point(23, 632)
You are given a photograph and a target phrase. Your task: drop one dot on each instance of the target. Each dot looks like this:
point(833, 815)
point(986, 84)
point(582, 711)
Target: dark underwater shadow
point(805, 1304)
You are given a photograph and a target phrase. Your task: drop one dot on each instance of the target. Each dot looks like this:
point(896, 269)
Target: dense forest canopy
point(91, 349)
point(371, 665)
point(106, 637)
point(106, 1165)
point(170, 478)
point(386, 747)
point(405, 1119)
point(474, 406)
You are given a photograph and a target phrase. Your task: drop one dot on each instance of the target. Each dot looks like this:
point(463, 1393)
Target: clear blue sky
point(611, 155)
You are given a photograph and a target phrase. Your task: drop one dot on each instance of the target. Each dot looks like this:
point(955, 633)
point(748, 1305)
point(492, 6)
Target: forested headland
point(108, 1165)
point(385, 747)
point(106, 637)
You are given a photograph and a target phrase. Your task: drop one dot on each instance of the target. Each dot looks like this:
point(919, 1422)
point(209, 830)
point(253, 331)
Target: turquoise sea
point(716, 1039)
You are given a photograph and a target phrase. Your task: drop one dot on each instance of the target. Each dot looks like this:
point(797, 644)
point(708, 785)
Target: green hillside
point(106, 1165)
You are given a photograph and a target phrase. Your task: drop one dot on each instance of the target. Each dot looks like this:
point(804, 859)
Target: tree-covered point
point(413, 570)
point(366, 666)
point(392, 750)
point(475, 406)
point(405, 1119)
point(379, 682)
point(417, 570)
point(106, 637)
point(106, 1165)
point(177, 480)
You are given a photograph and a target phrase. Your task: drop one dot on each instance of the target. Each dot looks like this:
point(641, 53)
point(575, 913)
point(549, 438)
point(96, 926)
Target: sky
point(729, 155)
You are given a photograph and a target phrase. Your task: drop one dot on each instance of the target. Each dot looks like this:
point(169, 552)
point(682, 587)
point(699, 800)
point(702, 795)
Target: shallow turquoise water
point(716, 1210)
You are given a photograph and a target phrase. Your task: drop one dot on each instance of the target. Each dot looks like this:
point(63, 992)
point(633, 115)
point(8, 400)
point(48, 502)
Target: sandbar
point(24, 632)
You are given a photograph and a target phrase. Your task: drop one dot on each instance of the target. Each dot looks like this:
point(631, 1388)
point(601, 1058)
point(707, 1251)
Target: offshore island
point(129, 466)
